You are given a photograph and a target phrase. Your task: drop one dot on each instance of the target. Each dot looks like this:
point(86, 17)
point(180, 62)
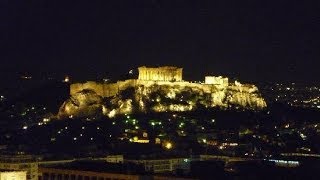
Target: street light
point(168, 145)
point(153, 124)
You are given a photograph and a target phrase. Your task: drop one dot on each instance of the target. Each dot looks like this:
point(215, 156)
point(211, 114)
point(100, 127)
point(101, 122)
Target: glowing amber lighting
point(172, 94)
point(135, 138)
point(112, 113)
point(165, 73)
point(168, 145)
point(66, 79)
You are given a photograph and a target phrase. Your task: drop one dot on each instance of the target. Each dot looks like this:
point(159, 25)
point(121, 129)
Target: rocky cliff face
point(171, 97)
point(83, 104)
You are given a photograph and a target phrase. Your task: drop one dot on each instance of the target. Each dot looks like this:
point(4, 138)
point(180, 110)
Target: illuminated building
point(140, 140)
point(20, 163)
point(13, 175)
point(165, 73)
point(217, 80)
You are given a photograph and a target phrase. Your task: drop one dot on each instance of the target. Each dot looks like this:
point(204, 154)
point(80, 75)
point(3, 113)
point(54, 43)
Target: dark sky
point(249, 40)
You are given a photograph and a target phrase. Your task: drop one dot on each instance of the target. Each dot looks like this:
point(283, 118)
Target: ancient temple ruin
point(165, 73)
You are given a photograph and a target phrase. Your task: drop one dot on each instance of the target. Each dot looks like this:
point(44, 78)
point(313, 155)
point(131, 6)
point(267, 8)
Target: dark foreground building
point(98, 170)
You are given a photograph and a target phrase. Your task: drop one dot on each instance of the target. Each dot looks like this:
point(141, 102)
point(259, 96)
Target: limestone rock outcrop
point(85, 103)
point(161, 97)
point(159, 89)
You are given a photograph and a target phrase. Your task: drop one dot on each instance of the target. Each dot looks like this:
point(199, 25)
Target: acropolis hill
point(159, 89)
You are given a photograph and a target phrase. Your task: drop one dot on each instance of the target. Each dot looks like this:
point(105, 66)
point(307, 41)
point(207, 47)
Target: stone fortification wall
point(158, 96)
point(248, 88)
point(112, 89)
point(218, 80)
point(95, 86)
point(207, 88)
point(102, 89)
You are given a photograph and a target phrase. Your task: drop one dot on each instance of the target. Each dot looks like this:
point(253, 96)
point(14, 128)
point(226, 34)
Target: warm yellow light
point(168, 145)
point(145, 134)
point(112, 113)
point(66, 79)
point(135, 138)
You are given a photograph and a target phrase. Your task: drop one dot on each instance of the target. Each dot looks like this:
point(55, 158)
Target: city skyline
point(155, 89)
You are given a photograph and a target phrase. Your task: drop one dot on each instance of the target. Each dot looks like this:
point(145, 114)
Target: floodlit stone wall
point(87, 98)
point(97, 87)
point(218, 80)
point(249, 88)
point(102, 89)
point(112, 89)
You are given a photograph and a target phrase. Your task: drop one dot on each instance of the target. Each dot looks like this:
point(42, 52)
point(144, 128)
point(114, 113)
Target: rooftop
point(161, 67)
point(18, 158)
point(100, 166)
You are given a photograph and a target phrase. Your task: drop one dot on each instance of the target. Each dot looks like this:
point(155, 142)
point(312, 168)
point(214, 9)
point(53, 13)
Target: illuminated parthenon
point(165, 73)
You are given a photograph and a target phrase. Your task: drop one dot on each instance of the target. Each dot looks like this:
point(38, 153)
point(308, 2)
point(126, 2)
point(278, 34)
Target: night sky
point(249, 40)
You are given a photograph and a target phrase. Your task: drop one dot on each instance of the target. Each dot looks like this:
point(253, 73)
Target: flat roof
point(161, 67)
point(99, 166)
point(11, 170)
